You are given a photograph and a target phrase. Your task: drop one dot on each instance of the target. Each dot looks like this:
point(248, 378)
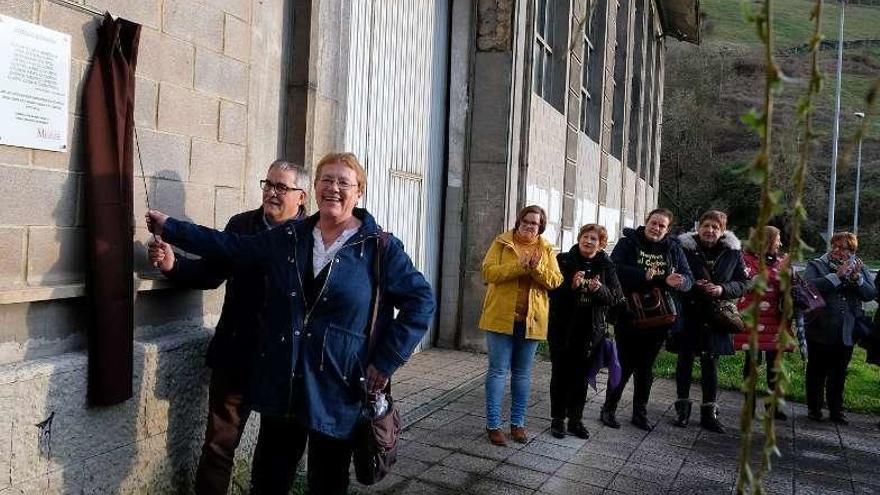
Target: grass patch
point(860, 394)
point(791, 22)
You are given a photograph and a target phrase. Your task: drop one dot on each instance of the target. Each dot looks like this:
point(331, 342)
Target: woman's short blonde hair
point(848, 239)
point(347, 159)
point(601, 231)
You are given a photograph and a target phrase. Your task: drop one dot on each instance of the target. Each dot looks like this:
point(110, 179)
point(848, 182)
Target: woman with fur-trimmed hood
point(715, 258)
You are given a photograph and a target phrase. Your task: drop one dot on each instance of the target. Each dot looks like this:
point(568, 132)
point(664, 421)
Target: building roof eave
point(681, 19)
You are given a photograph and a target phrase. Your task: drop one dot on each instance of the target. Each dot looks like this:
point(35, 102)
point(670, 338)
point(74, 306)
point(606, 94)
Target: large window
point(638, 76)
point(620, 56)
point(542, 70)
point(586, 96)
point(550, 51)
point(650, 97)
point(591, 77)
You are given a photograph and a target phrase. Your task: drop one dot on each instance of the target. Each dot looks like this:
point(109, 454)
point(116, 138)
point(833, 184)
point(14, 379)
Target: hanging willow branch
point(759, 171)
point(797, 249)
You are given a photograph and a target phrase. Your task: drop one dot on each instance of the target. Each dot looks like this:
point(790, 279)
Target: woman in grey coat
point(845, 284)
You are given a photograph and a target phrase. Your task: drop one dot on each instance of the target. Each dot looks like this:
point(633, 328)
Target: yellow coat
point(501, 269)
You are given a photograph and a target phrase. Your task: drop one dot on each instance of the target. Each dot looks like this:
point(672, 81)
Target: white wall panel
point(396, 117)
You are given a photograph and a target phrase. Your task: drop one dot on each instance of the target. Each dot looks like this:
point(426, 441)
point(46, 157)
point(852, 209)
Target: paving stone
point(469, 463)
point(520, 476)
point(688, 485)
point(708, 471)
point(560, 486)
point(621, 451)
point(626, 484)
point(584, 474)
point(550, 450)
point(534, 461)
point(830, 464)
point(417, 487)
point(598, 461)
point(422, 452)
point(415, 433)
point(809, 483)
point(409, 467)
point(392, 483)
point(449, 477)
point(672, 461)
point(661, 475)
point(863, 489)
point(482, 448)
point(494, 487)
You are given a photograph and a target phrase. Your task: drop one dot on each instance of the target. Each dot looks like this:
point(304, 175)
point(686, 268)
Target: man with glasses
point(231, 351)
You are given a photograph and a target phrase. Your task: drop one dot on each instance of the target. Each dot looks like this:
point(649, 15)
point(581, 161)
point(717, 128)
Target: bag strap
point(381, 244)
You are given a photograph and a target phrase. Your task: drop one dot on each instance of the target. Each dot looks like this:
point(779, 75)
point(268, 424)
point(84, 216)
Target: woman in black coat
point(715, 258)
point(645, 258)
point(579, 310)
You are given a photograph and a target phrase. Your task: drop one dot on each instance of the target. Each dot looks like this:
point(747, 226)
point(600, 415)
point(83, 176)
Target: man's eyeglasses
point(343, 185)
point(280, 189)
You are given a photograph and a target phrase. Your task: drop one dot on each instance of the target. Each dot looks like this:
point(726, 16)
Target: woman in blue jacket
point(314, 366)
point(844, 284)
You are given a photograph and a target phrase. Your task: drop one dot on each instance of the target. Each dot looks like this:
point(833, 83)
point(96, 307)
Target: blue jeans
point(513, 353)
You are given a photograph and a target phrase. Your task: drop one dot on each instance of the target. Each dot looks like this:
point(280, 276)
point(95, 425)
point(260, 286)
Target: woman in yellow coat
point(519, 269)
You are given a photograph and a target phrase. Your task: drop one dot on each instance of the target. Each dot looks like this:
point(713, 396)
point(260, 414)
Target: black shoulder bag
point(725, 315)
point(375, 440)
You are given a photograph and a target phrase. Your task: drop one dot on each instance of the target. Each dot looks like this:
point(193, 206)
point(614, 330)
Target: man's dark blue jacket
point(311, 359)
point(235, 340)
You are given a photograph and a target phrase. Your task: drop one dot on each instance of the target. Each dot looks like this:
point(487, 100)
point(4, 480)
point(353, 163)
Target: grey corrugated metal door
point(395, 121)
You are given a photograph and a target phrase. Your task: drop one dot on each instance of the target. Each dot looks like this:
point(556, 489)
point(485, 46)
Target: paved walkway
point(445, 448)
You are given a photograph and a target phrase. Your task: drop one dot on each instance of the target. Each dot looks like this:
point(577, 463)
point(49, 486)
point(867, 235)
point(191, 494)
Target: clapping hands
point(530, 261)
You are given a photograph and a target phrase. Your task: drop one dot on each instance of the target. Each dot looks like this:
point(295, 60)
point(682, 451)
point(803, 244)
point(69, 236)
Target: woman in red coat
point(770, 307)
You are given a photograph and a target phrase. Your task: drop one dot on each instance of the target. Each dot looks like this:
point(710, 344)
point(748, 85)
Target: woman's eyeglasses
point(341, 184)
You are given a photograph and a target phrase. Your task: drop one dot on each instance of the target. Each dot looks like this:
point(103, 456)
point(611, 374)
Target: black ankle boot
point(640, 418)
point(608, 417)
point(557, 428)
point(778, 414)
point(683, 412)
point(578, 429)
point(709, 418)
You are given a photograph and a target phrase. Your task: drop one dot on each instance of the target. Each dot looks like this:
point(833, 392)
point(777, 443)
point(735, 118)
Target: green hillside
point(710, 86)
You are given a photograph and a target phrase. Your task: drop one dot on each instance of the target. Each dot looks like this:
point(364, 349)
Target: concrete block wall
point(207, 116)
point(52, 443)
point(191, 117)
point(546, 173)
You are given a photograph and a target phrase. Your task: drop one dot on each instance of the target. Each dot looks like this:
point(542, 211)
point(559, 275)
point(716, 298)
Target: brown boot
point(518, 433)
point(496, 437)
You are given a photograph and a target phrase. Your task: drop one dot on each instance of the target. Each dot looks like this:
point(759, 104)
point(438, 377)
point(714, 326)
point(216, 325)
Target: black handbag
point(376, 435)
point(806, 297)
point(652, 309)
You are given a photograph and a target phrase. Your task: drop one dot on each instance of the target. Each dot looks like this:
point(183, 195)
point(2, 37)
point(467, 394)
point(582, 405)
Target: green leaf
point(753, 119)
